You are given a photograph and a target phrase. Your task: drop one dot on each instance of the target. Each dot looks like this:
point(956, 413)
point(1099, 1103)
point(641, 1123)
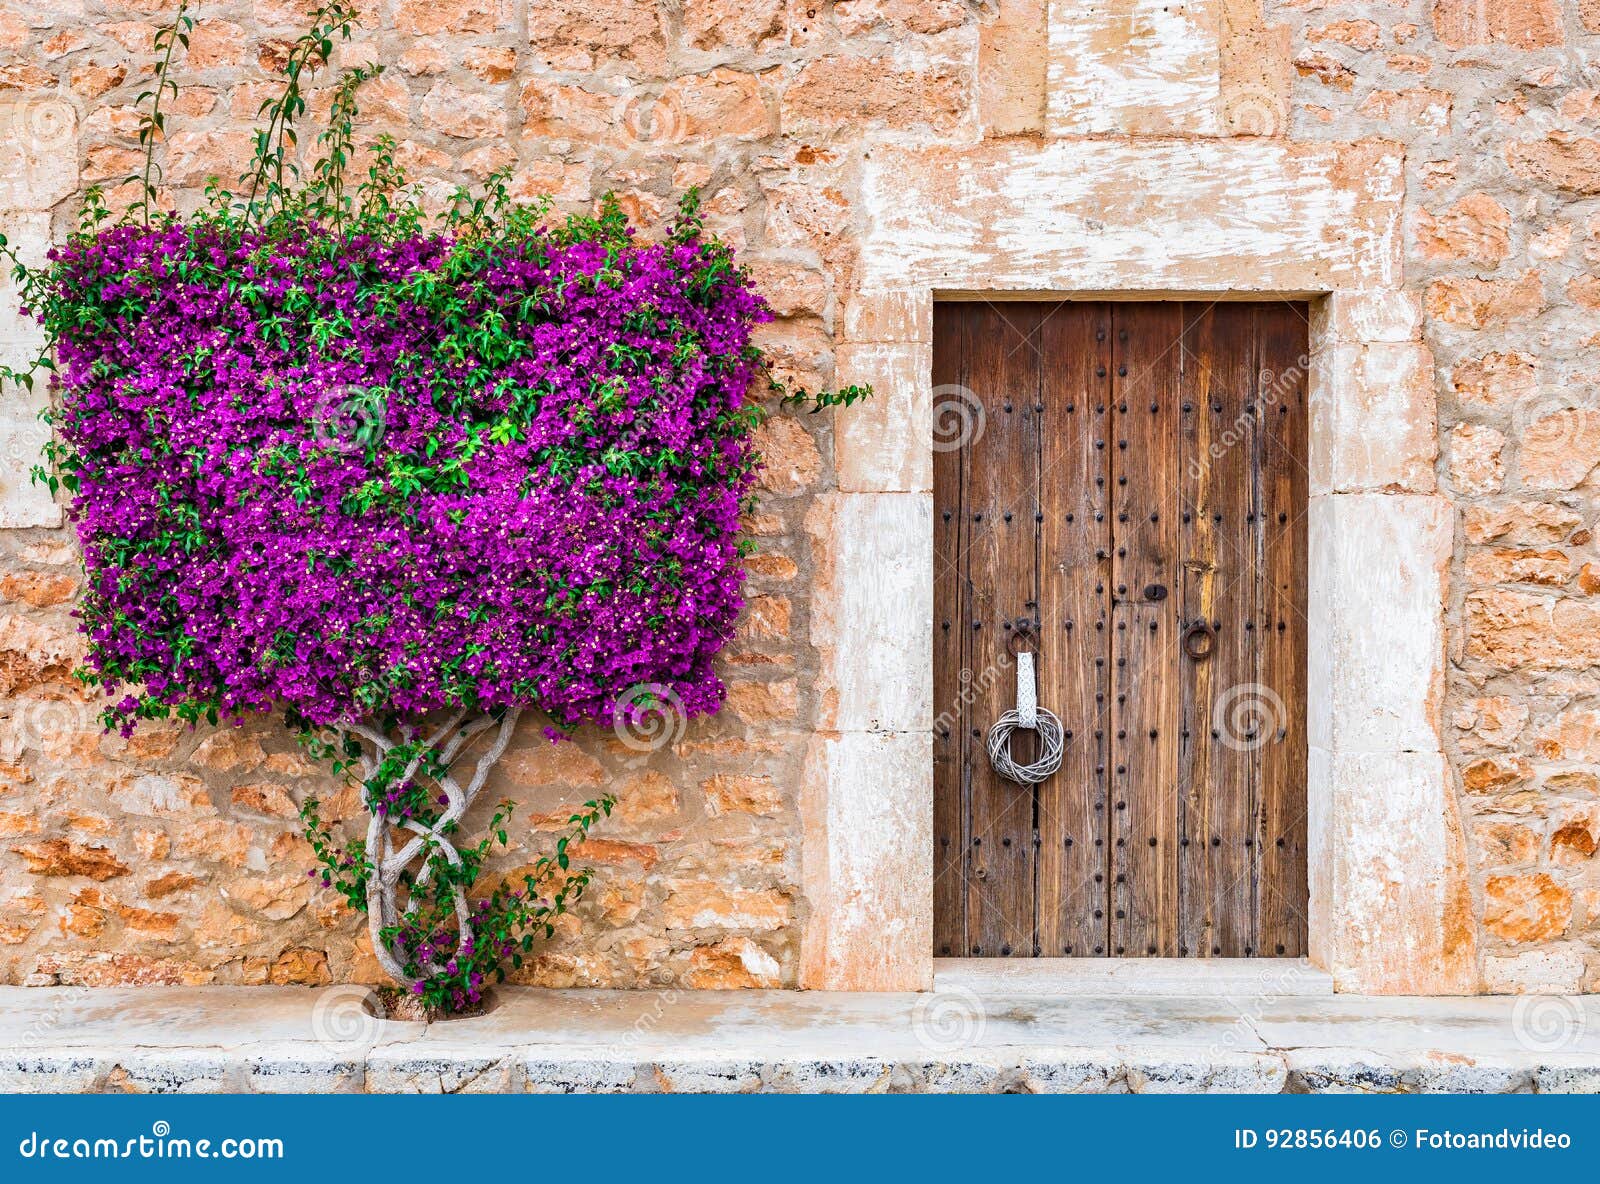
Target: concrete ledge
point(284, 1040)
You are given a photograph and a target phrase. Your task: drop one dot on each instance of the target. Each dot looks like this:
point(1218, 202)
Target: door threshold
point(1088, 977)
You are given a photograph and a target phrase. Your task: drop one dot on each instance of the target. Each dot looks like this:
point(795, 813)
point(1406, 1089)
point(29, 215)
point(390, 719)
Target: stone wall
point(1497, 107)
point(174, 856)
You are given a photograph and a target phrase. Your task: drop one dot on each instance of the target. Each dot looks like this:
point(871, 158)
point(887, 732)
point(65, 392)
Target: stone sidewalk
point(275, 1040)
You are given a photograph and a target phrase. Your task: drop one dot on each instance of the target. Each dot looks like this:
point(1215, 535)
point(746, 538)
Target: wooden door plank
point(950, 730)
point(1142, 442)
point(1000, 474)
point(1281, 767)
point(1075, 343)
point(1197, 602)
point(1220, 695)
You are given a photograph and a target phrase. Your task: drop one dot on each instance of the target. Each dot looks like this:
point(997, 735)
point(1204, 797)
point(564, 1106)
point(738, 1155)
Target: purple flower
point(307, 480)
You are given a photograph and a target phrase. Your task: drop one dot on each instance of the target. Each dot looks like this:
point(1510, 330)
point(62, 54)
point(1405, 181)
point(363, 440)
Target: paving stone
point(404, 1069)
point(302, 1069)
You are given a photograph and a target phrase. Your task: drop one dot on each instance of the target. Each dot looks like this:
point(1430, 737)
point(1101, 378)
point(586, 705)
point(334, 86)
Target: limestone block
point(1397, 917)
point(708, 1074)
point(296, 1068)
point(22, 434)
point(1012, 72)
point(1373, 418)
point(1512, 630)
point(867, 813)
point(600, 1071)
point(1363, 1071)
point(1557, 966)
point(1243, 215)
point(1134, 68)
point(1376, 634)
point(38, 151)
point(1071, 1071)
point(22, 439)
point(1204, 1071)
point(889, 314)
point(1351, 317)
point(1578, 1075)
point(840, 1075)
point(421, 1069)
point(872, 612)
point(50, 1070)
point(885, 443)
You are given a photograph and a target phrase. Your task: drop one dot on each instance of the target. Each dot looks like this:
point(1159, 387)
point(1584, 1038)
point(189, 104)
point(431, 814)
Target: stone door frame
point(1101, 219)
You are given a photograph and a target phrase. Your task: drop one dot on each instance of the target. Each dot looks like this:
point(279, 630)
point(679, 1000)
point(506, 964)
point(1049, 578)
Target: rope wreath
point(1030, 717)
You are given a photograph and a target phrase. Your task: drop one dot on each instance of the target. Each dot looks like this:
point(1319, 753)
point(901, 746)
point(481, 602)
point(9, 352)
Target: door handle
point(1199, 639)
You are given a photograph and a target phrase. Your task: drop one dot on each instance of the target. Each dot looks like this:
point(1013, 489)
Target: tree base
point(394, 1004)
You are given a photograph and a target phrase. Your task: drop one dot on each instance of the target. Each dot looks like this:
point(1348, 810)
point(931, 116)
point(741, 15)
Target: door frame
point(1390, 905)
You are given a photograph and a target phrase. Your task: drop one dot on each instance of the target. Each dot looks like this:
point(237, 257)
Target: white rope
point(1027, 692)
point(1028, 717)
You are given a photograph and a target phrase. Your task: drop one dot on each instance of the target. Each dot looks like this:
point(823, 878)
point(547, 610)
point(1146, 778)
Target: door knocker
point(1199, 639)
point(1027, 716)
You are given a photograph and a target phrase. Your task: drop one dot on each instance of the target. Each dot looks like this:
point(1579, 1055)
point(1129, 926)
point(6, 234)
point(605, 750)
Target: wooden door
point(1127, 481)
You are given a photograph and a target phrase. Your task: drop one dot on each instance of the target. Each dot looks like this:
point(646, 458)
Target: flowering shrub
point(401, 479)
point(403, 470)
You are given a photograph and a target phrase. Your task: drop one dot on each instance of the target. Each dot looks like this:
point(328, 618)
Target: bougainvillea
point(401, 479)
point(405, 473)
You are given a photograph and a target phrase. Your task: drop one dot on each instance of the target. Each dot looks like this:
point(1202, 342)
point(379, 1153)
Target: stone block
point(1373, 419)
point(415, 1069)
point(1205, 215)
point(38, 151)
point(885, 444)
point(873, 610)
point(304, 1069)
point(867, 814)
point(1375, 621)
point(1012, 70)
point(1203, 1071)
point(889, 314)
point(1556, 967)
point(1390, 859)
point(22, 434)
point(1134, 68)
point(590, 1072)
point(1362, 317)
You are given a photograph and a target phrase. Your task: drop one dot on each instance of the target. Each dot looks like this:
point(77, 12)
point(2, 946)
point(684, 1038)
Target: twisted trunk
point(385, 910)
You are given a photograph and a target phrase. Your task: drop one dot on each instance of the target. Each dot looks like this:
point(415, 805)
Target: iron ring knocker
point(1199, 640)
point(1027, 716)
point(1020, 630)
